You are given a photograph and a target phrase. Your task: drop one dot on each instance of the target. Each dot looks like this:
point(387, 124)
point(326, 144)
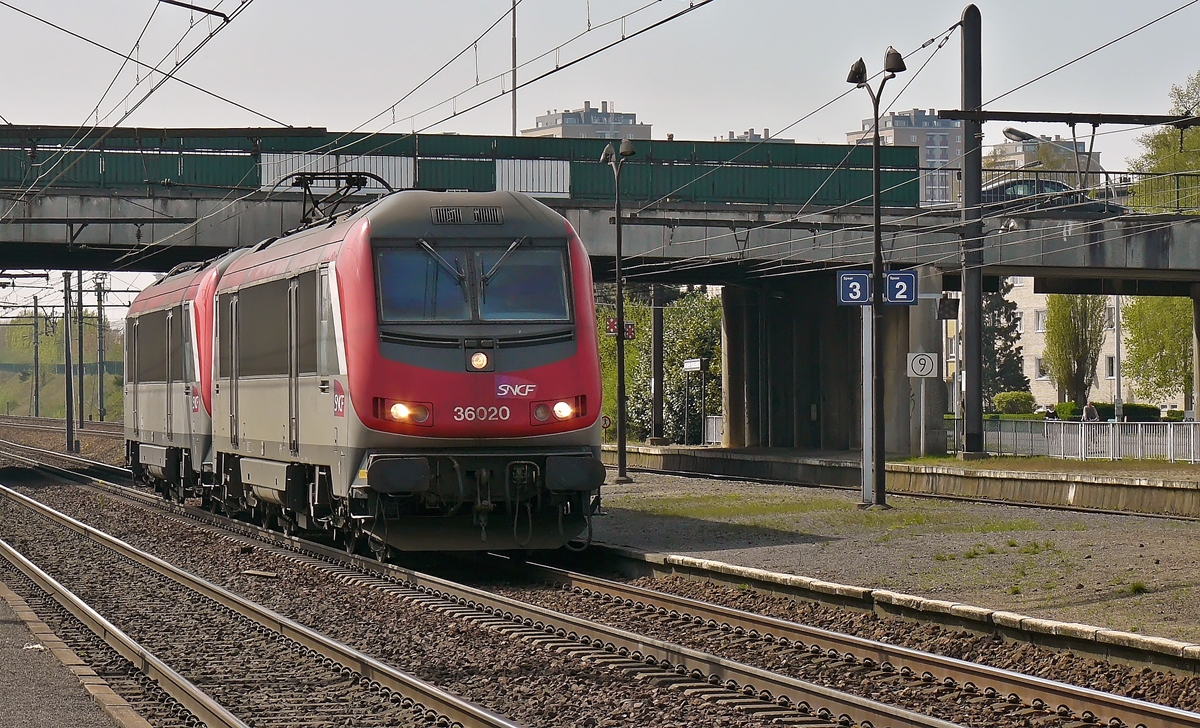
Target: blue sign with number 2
point(901, 287)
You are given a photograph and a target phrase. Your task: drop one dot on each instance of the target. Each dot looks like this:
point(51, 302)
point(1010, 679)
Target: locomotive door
point(234, 355)
point(131, 372)
point(293, 386)
point(172, 375)
point(190, 375)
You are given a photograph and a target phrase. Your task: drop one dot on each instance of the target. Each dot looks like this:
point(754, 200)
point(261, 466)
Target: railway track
point(756, 691)
point(114, 430)
point(681, 642)
point(211, 650)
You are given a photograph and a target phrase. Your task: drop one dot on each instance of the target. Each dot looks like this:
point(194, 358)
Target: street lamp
point(616, 160)
point(893, 63)
point(1019, 135)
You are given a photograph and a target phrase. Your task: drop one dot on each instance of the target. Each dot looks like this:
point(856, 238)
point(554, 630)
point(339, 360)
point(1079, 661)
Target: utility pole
point(67, 361)
point(656, 364)
point(37, 365)
point(79, 309)
point(972, 218)
point(100, 347)
point(514, 68)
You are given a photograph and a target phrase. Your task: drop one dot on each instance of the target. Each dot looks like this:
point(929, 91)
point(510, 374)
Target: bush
point(1141, 412)
point(1104, 410)
point(1014, 403)
point(1174, 415)
point(1068, 411)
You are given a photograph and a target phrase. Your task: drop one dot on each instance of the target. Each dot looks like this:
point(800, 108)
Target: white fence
point(1088, 440)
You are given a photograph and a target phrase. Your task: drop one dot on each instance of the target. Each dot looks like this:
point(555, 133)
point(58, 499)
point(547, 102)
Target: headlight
point(563, 410)
point(541, 413)
point(410, 412)
point(479, 360)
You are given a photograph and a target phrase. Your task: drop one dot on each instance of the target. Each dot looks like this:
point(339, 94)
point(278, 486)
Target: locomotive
point(420, 373)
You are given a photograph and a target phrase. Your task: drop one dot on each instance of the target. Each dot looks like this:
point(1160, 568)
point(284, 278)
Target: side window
point(327, 358)
point(188, 372)
point(306, 323)
point(152, 347)
point(131, 350)
point(262, 335)
point(175, 371)
point(225, 335)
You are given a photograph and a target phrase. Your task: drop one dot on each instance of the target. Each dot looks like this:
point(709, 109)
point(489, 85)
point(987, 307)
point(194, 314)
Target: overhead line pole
point(70, 414)
point(972, 219)
point(100, 348)
point(37, 368)
point(79, 310)
point(514, 68)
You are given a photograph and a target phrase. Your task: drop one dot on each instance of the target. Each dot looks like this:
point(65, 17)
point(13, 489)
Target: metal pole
point(79, 325)
point(868, 479)
point(1118, 407)
point(37, 365)
point(622, 475)
point(100, 348)
point(877, 429)
point(656, 362)
point(703, 408)
point(70, 414)
point(924, 448)
point(514, 69)
point(687, 390)
point(972, 217)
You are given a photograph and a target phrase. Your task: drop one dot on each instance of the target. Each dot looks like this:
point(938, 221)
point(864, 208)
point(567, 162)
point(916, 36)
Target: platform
point(36, 689)
point(1118, 492)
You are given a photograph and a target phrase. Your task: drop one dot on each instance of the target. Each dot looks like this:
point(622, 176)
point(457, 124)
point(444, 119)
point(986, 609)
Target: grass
point(782, 514)
point(1137, 587)
point(1034, 548)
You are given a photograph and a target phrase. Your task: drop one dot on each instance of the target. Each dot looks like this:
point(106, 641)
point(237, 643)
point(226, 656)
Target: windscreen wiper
point(485, 277)
point(453, 270)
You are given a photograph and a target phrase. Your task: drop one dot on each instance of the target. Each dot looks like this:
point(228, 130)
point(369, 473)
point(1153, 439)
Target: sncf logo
point(339, 399)
point(515, 390)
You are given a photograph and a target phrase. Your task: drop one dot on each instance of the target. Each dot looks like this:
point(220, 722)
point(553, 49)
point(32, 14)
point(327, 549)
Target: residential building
point(589, 123)
point(1031, 312)
point(940, 142)
point(1016, 155)
point(750, 136)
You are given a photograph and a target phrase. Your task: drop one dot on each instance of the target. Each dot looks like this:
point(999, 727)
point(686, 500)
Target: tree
point(692, 328)
point(1169, 150)
point(1002, 360)
point(1158, 341)
point(1074, 337)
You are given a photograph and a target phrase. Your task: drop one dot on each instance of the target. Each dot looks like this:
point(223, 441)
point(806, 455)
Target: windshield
point(414, 285)
point(529, 285)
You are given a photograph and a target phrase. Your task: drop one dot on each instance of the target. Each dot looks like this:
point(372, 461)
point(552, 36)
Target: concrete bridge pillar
point(1193, 397)
point(752, 367)
point(924, 335)
point(733, 366)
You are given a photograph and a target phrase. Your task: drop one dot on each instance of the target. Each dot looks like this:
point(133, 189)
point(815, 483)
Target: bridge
point(770, 222)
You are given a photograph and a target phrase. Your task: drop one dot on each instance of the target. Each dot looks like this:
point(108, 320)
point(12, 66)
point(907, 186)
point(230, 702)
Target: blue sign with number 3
point(854, 287)
point(901, 287)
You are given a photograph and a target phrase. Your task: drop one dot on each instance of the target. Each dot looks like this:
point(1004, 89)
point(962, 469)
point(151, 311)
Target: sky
point(729, 65)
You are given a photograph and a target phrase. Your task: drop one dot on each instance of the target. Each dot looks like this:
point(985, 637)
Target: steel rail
point(749, 679)
point(430, 697)
point(1106, 706)
point(178, 687)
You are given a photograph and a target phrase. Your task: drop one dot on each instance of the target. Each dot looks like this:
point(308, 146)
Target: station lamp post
point(616, 160)
point(893, 63)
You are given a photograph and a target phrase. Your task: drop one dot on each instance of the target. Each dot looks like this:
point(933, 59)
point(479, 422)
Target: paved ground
point(36, 691)
point(1122, 572)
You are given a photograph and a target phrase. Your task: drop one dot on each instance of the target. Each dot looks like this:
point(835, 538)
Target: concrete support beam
point(752, 367)
point(1194, 395)
point(897, 402)
point(733, 363)
point(781, 315)
point(924, 335)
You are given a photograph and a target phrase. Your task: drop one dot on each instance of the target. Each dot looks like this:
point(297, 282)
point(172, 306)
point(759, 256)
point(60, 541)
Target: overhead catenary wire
point(131, 59)
point(1092, 52)
point(226, 202)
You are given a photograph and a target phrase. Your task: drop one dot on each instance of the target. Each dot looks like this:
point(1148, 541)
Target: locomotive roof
point(416, 213)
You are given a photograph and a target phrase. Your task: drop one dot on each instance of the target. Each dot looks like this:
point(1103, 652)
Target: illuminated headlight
point(541, 413)
point(563, 410)
point(402, 412)
point(479, 360)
